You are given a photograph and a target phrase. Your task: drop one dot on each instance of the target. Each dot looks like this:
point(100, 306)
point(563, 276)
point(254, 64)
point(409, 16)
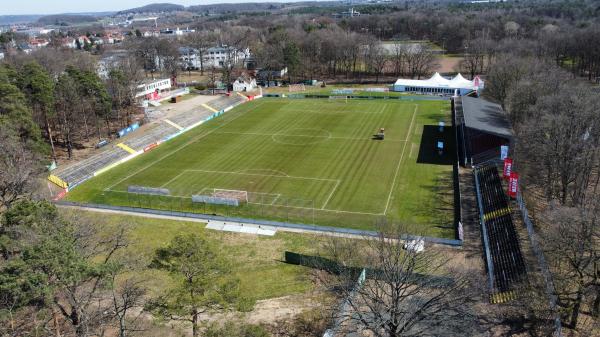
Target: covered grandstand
point(437, 84)
point(482, 127)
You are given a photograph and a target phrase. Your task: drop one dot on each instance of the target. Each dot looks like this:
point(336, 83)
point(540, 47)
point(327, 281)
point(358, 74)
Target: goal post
point(296, 87)
point(339, 97)
point(240, 195)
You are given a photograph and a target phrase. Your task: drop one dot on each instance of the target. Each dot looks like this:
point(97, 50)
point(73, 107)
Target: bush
point(245, 304)
point(231, 329)
point(200, 87)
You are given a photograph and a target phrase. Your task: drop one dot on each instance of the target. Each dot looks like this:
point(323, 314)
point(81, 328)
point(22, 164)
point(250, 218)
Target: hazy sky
point(12, 7)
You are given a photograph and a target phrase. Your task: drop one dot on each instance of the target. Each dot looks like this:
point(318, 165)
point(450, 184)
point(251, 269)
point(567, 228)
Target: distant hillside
point(154, 8)
point(14, 19)
point(257, 6)
point(66, 19)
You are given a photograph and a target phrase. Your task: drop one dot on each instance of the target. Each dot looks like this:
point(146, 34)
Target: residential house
point(151, 33)
point(25, 47)
point(215, 56)
point(223, 55)
point(347, 14)
point(189, 58)
point(83, 40)
point(68, 42)
point(37, 43)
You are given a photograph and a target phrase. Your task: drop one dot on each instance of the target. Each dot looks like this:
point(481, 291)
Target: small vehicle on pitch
point(379, 135)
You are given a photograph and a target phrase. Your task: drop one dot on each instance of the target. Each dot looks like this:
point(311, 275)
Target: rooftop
point(486, 116)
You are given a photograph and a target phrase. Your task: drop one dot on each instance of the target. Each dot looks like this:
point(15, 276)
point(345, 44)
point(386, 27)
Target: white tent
point(439, 84)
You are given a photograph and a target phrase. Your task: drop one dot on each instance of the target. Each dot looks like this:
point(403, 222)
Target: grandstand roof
point(438, 81)
point(486, 116)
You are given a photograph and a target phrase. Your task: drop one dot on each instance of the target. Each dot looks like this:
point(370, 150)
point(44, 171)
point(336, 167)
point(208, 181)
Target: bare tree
point(571, 242)
point(201, 41)
point(420, 61)
point(406, 293)
point(478, 53)
point(128, 300)
point(378, 59)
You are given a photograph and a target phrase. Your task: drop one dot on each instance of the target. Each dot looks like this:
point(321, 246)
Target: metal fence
point(539, 254)
point(345, 306)
point(272, 223)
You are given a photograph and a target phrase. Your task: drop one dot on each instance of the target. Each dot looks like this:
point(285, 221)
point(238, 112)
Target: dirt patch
point(448, 64)
point(281, 308)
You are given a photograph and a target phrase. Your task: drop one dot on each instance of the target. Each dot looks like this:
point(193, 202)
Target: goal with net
point(239, 195)
point(345, 98)
point(296, 87)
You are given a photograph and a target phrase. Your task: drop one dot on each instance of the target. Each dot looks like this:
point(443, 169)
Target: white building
point(215, 56)
point(152, 89)
point(223, 55)
point(439, 85)
point(244, 83)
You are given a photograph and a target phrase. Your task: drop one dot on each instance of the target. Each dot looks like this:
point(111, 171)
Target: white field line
point(307, 136)
point(412, 147)
point(276, 198)
point(283, 174)
point(331, 194)
point(172, 179)
point(193, 140)
point(387, 205)
point(286, 206)
point(263, 175)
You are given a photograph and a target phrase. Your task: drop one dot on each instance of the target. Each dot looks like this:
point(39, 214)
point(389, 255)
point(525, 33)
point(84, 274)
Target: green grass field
point(256, 260)
point(310, 161)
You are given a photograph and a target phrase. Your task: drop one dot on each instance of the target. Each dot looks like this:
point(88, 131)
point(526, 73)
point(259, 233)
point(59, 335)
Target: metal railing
point(486, 243)
point(542, 263)
point(280, 224)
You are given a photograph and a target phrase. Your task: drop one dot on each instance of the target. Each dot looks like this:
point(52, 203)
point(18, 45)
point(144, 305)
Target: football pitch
point(312, 161)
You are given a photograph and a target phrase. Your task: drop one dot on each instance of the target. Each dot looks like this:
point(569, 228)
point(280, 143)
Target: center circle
point(301, 136)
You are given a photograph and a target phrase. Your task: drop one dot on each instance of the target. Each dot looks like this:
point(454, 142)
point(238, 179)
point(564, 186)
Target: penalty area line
point(331, 194)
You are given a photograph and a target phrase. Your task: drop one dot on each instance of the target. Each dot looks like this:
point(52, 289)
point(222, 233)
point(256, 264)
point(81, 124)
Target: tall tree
point(38, 88)
point(62, 265)
point(205, 280)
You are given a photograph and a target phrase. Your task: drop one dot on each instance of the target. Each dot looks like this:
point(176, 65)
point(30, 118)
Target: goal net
point(296, 87)
point(241, 196)
point(344, 98)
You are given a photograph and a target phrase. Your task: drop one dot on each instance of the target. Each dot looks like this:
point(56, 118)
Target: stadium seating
point(76, 173)
point(226, 101)
point(505, 251)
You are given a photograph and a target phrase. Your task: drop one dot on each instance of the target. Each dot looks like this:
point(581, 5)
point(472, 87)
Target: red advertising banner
point(507, 168)
point(60, 195)
point(150, 147)
point(513, 184)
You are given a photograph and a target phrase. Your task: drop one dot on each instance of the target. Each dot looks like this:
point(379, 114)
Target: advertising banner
point(507, 168)
point(128, 129)
point(150, 147)
point(513, 184)
point(503, 152)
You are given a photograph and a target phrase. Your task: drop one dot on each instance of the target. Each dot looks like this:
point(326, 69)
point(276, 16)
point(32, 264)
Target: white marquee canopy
point(438, 82)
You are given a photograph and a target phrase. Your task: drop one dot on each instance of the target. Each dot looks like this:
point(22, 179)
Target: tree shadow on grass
point(428, 152)
point(441, 210)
